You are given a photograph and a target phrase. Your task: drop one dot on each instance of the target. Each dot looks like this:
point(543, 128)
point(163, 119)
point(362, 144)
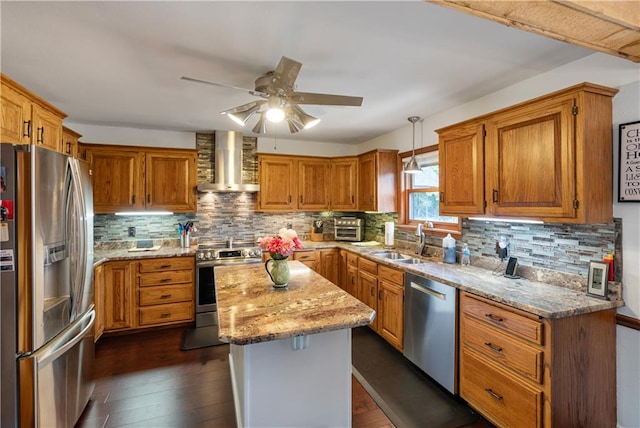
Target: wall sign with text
point(629, 174)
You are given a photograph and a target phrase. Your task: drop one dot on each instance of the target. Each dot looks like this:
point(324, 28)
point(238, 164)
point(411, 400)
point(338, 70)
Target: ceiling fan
point(279, 99)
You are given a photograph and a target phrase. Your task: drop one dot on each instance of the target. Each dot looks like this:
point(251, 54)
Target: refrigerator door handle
point(66, 341)
point(79, 233)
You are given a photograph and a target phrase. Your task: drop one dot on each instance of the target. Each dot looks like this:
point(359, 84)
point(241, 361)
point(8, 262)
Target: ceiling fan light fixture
point(261, 126)
point(294, 126)
point(275, 114)
point(306, 120)
point(242, 113)
point(412, 166)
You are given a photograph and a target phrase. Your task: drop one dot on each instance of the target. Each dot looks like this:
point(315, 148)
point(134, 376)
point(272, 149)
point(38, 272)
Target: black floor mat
point(408, 396)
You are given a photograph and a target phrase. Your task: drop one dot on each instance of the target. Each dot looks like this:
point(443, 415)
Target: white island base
point(303, 381)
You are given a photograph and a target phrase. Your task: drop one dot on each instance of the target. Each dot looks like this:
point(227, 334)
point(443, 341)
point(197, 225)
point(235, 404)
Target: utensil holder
point(185, 240)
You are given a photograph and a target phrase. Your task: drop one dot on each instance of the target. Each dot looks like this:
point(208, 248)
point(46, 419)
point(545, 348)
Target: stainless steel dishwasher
point(430, 328)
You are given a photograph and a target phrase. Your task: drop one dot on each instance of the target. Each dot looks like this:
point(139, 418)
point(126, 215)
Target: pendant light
point(412, 166)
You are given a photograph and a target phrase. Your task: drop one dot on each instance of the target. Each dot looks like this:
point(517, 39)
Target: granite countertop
point(103, 255)
point(251, 310)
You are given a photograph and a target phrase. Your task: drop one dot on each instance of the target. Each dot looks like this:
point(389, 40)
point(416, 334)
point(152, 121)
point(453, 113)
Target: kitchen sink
point(392, 255)
point(411, 261)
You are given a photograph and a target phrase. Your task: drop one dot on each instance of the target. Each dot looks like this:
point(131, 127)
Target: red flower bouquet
point(281, 245)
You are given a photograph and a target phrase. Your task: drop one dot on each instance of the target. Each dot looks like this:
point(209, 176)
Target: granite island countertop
point(251, 310)
point(103, 255)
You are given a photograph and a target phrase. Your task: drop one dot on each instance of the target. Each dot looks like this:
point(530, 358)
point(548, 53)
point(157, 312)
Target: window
point(421, 194)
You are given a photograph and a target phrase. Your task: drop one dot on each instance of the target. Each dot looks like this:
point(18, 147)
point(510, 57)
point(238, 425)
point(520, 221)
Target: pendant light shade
point(412, 166)
point(261, 125)
point(242, 113)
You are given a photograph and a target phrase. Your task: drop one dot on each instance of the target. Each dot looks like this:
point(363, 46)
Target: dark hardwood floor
point(145, 380)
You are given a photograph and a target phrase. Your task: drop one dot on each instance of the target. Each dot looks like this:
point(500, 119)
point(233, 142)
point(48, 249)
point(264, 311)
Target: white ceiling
point(120, 63)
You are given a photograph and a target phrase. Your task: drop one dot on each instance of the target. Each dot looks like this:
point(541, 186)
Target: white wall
point(604, 70)
point(293, 147)
point(99, 134)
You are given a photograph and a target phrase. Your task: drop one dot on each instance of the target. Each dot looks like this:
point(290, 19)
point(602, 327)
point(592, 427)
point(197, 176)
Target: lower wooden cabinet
point(310, 258)
point(98, 301)
point(367, 286)
point(520, 370)
point(329, 264)
point(147, 293)
point(391, 306)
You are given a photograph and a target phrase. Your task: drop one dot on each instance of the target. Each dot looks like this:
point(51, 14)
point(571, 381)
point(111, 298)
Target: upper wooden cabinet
point(549, 158)
point(127, 178)
point(343, 195)
point(27, 118)
point(70, 141)
point(377, 180)
point(293, 183)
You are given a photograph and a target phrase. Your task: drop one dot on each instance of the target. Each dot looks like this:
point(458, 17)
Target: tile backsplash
point(562, 247)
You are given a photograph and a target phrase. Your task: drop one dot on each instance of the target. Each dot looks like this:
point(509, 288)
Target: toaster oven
point(348, 229)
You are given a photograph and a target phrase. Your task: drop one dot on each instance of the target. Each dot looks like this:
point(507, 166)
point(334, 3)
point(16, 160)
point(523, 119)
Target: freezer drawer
point(57, 381)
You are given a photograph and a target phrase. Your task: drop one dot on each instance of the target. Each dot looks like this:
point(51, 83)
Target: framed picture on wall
point(629, 172)
point(597, 283)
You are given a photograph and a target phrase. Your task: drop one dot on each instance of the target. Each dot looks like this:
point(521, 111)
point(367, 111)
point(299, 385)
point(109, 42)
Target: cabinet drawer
point(161, 314)
point(165, 294)
point(498, 317)
point(391, 275)
point(367, 266)
point(498, 395)
point(305, 255)
point(502, 349)
point(164, 264)
point(166, 278)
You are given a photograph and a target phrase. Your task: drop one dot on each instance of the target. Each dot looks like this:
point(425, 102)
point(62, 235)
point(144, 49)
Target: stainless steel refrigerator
point(46, 288)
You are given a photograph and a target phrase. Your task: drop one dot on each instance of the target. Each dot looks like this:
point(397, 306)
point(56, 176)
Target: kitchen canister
point(389, 231)
point(449, 249)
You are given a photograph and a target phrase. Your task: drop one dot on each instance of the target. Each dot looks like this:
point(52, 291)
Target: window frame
point(405, 190)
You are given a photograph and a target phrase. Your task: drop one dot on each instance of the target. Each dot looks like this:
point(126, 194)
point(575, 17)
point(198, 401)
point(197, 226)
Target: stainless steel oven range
point(209, 255)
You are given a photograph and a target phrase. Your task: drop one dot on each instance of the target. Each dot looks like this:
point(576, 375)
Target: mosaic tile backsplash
point(561, 247)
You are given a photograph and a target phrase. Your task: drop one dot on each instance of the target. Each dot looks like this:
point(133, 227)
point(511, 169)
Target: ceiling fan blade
point(287, 72)
point(325, 99)
point(206, 82)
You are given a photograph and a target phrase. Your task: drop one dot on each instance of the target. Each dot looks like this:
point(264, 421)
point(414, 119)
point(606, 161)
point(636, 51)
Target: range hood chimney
point(228, 165)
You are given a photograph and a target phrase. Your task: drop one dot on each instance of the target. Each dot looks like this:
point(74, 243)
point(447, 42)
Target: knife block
point(316, 236)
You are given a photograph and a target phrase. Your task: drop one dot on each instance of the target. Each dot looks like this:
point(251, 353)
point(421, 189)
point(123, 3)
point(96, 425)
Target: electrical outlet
point(132, 231)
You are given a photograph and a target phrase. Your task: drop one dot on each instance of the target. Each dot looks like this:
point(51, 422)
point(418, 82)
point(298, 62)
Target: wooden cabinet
point(377, 181)
point(311, 258)
point(391, 306)
point(119, 298)
point(344, 184)
point(518, 369)
point(27, 118)
point(70, 141)
point(549, 158)
point(98, 301)
point(368, 286)
point(165, 289)
point(329, 264)
point(289, 183)
point(127, 178)
point(351, 283)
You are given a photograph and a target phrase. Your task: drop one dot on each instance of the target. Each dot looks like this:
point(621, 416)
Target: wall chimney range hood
point(228, 165)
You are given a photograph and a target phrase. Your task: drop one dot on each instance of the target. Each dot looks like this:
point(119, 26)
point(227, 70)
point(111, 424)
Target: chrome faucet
point(421, 239)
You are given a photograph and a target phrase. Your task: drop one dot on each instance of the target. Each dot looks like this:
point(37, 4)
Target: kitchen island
point(290, 348)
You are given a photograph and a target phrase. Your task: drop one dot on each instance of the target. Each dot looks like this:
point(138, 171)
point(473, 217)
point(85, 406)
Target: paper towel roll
point(389, 230)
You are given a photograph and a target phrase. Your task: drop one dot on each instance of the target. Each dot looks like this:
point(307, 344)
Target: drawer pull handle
point(373, 292)
point(28, 128)
point(165, 315)
point(494, 318)
point(493, 347)
point(165, 266)
point(493, 394)
point(165, 280)
point(165, 296)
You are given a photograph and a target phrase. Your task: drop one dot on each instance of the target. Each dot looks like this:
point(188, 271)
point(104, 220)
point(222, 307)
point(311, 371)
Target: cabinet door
point(119, 298)
point(368, 293)
point(530, 160)
point(461, 160)
point(15, 120)
point(117, 180)
point(47, 127)
point(277, 183)
point(313, 184)
point(329, 264)
point(170, 181)
point(98, 301)
point(344, 184)
point(351, 283)
point(309, 258)
point(367, 183)
point(70, 141)
point(391, 313)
